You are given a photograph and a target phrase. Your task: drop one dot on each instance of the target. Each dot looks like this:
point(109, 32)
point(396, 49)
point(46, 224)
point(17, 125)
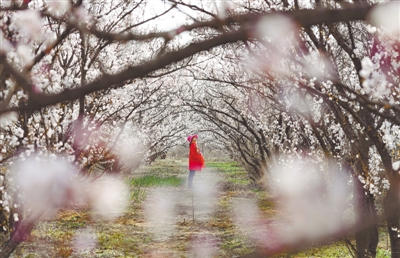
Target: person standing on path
point(196, 159)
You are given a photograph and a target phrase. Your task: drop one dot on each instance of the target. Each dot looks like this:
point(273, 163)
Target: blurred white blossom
point(109, 197)
point(25, 54)
point(205, 246)
point(277, 33)
point(58, 7)
point(84, 241)
point(6, 3)
point(82, 15)
point(48, 183)
point(375, 83)
point(160, 213)
point(371, 29)
point(387, 16)
point(129, 148)
point(396, 165)
point(318, 66)
point(5, 46)
point(367, 67)
point(204, 195)
point(45, 183)
point(28, 22)
point(314, 198)
point(275, 27)
point(7, 119)
point(248, 217)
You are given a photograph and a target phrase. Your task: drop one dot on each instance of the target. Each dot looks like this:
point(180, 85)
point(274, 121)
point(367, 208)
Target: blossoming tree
point(87, 82)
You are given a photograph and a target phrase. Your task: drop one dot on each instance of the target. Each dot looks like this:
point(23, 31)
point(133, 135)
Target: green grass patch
point(223, 166)
point(231, 168)
point(239, 181)
point(163, 168)
point(123, 242)
point(131, 236)
point(334, 250)
point(236, 246)
point(338, 250)
point(73, 220)
point(154, 180)
point(111, 240)
point(138, 194)
point(383, 253)
point(266, 204)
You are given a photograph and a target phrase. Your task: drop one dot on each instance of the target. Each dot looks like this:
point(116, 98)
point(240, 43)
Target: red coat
point(196, 159)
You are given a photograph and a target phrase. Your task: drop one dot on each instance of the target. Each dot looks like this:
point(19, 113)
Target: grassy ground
point(196, 224)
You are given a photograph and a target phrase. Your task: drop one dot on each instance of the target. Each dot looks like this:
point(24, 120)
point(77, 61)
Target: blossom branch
point(303, 17)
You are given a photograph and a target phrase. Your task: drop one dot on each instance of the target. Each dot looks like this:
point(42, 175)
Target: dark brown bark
point(392, 211)
point(21, 233)
point(367, 236)
point(302, 17)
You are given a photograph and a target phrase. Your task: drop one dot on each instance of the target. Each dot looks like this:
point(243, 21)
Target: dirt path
point(184, 217)
point(170, 222)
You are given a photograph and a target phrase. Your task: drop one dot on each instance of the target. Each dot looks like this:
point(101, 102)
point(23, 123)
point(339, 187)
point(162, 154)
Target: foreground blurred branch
point(245, 32)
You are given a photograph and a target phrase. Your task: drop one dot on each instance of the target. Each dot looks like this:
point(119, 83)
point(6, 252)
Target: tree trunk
point(367, 238)
point(392, 211)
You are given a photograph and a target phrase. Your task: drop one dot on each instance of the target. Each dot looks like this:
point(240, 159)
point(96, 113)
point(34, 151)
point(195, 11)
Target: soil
point(221, 217)
point(168, 222)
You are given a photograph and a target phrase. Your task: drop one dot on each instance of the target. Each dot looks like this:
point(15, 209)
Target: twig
point(350, 247)
point(192, 206)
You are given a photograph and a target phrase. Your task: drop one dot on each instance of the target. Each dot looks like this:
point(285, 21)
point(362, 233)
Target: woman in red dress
point(196, 159)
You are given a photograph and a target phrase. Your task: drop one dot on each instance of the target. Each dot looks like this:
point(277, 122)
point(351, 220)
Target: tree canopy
point(277, 85)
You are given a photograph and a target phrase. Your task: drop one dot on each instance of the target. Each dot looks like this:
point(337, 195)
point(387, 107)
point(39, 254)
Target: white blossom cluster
point(377, 182)
point(48, 183)
point(317, 192)
point(284, 98)
point(374, 83)
point(396, 230)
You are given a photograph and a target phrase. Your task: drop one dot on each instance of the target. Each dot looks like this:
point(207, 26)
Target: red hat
point(190, 137)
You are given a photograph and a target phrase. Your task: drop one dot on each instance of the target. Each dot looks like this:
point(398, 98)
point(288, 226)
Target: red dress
point(196, 159)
